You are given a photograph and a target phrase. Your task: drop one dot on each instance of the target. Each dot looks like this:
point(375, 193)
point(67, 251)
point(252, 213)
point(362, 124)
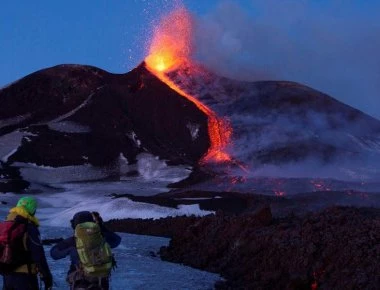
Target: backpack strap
point(25, 243)
point(24, 240)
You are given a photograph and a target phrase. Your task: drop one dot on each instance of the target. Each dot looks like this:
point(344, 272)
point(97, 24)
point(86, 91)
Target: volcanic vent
point(171, 50)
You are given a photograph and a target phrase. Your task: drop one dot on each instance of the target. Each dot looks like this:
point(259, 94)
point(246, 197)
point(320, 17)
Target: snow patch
point(134, 138)
point(123, 163)
point(114, 209)
point(10, 143)
point(57, 175)
point(152, 168)
point(194, 130)
point(69, 127)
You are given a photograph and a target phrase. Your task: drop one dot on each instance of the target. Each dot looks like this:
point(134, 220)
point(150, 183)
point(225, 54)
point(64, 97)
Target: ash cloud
point(332, 47)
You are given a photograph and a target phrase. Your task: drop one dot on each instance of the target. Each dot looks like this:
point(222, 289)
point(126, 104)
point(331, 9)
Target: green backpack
point(94, 252)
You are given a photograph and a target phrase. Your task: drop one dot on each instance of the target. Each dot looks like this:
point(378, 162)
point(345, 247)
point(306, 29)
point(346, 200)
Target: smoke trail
point(330, 46)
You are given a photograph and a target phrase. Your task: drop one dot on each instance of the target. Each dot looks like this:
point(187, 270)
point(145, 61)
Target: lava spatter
point(169, 48)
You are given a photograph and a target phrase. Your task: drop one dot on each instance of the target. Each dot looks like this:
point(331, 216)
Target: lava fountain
point(170, 47)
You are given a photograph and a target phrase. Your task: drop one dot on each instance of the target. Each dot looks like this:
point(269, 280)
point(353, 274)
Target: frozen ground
point(59, 199)
point(57, 208)
point(138, 267)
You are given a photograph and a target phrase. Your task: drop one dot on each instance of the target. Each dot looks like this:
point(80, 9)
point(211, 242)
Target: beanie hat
point(29, 203)
point(81, 217)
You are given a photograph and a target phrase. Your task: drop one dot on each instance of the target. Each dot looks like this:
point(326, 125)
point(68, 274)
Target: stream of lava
point(170, 46)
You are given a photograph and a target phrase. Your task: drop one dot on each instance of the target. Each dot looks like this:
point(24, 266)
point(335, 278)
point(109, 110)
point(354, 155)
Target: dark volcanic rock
point(78, 114)
point(268, 242)
point(196, 176)
point(10, 179)
point(228, 202)
point(160, 118)
point(337, 248)
point(164, 227)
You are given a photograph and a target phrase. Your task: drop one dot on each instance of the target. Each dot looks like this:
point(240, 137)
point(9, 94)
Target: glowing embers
point(170, 47)
point(320, 185)
point(171, 42)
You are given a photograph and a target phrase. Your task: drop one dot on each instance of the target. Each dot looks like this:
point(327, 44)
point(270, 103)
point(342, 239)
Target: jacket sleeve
point(112, 238)
point(37, 251)
point(62, 249)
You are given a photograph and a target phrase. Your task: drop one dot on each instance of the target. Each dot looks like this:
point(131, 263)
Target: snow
point(153, 175)
point(194, 130)
point(58, 207)
point(152, 168)
point(5, 158)
point(51, 175)
point(9, 144)
point(108, 208)
point(134, 138)
point(124, 166)
point(137, 267)
point(69, 127)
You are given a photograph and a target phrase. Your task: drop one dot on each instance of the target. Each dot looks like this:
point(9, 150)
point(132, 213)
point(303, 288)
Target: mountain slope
point(81, 115)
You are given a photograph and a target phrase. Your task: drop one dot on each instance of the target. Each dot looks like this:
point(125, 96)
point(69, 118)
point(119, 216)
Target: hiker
point(28, 251)
point(79, 275)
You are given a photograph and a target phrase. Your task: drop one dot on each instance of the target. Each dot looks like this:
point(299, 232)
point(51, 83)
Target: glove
point(48, 281)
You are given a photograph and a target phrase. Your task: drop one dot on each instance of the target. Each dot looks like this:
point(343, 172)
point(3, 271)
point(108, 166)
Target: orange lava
point(170, 46)
point(171, 41)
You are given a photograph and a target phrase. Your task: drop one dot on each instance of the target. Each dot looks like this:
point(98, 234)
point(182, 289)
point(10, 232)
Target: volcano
point(80, 115)
point(183, 114)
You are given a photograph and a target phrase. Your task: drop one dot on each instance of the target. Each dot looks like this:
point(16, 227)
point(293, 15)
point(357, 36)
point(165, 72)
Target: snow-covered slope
point(287, 129)
point(81, 118)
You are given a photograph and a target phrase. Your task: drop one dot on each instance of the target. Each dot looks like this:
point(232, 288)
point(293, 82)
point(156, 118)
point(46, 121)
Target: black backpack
point(12, 249)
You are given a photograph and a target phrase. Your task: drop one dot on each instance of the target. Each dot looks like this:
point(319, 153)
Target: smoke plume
point(331, 46)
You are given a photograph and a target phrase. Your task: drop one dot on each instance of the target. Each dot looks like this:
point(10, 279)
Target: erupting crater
point(169, 49)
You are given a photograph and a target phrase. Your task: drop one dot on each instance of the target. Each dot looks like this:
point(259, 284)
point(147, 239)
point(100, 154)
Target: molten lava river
point(169, 48)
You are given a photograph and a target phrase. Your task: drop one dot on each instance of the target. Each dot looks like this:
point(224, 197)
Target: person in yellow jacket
point(25, 276)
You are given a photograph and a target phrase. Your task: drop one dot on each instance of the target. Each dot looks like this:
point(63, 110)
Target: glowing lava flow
point(219, 130)
point(171, 45)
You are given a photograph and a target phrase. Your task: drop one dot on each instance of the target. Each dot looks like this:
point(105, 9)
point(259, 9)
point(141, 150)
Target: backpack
point(94, 252)
point(12, 249)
